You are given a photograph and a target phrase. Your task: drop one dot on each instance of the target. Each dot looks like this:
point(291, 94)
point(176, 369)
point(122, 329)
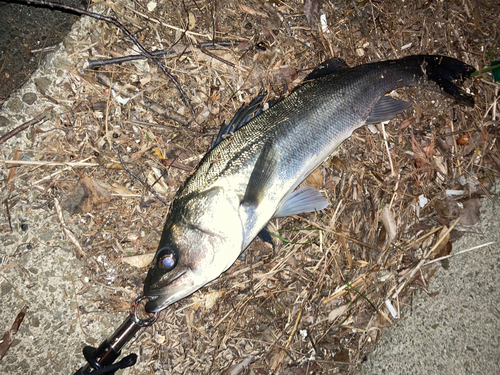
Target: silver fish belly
point(251, 177)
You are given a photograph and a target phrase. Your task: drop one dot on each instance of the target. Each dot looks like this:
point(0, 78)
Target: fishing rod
point(101, 360)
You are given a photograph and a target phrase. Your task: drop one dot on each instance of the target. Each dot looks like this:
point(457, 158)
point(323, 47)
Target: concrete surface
point(458, 331)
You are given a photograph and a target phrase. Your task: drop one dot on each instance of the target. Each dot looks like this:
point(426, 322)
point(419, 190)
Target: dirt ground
point(78, 230)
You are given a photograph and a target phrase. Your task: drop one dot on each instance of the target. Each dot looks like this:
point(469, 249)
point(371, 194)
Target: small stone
point(43, 84)
point(15, 105)
point(4, 121)
point(29, 98)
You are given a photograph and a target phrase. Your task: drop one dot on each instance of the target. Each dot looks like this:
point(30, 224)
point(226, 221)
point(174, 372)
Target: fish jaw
point(163, 291)
point(205, 235)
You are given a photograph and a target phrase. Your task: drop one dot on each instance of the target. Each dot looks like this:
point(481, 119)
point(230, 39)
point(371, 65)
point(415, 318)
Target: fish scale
point(251, 176)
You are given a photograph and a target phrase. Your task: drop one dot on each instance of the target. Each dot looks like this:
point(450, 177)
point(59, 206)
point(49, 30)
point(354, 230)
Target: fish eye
point(167, 259)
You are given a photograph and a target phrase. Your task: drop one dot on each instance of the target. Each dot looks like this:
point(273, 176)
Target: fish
point(252, 175)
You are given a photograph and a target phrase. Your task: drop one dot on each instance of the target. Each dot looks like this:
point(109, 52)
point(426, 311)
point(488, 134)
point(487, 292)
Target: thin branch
point(146, 185)
point(22, 127)
point(167, 51)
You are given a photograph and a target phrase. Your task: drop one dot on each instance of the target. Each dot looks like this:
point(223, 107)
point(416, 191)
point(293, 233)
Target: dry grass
point(322, 299)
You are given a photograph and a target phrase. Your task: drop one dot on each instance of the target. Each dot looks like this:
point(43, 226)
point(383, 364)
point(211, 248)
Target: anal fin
point(386, 109)
point(306, 199)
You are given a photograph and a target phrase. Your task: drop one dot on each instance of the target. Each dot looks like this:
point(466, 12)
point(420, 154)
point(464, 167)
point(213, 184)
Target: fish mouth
point(163, 291)
point(156, 304)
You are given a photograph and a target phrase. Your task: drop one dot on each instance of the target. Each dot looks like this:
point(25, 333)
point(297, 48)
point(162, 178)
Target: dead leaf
point(119, 189)
point(315, 179)
point(275, 358)
point(252, 11)
point(192, 21)
point(86, 195)
point(387, 218)
point(12, 170)
point(447, 208)
point(442, 246)
point(311, 11)
point(463, 140)
point(8, 336)
point(335, 313)
point(287, 73)
point(342, 356)
point(139, 261)
point(268, 35)
point(469, 215)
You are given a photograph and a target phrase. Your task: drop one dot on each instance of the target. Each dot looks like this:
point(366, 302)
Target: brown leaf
point(315, 179)
point(275, 358)
point(463, 140)
point(469, 215)
point(268, 34)
point(342, 356)
point(337, 162)
point(8, 336)
point(389, 222)
point(442, 248)
point(311, 11)
point(12, 170)
point(287, 73)
point(251, 11)
point(447, 208)
point(87, 194)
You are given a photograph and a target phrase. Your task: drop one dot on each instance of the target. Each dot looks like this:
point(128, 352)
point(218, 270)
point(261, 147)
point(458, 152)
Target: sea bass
point(251, 176)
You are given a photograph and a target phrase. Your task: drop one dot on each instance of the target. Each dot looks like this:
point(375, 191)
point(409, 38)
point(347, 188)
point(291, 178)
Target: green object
point(496, 70)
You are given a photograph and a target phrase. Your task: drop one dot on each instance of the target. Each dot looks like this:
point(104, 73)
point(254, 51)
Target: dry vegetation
point(320, 300)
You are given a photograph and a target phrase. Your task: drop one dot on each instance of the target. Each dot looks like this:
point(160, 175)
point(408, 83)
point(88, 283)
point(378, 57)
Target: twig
point(403, 280)
point(460, 252)
point(78, 315)
point(115, 22)
point(202, 49)
point(167, 51)
point(22, 127)
point(7, 211)
point(393, 174)
point(66, 230)
point(343, 289)
point(51, 163)
point(146, 185)
point(51, 176)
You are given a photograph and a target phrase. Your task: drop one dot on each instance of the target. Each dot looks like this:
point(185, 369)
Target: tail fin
point(448, 73)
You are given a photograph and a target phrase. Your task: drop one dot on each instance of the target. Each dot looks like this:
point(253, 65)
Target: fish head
point(201, 239)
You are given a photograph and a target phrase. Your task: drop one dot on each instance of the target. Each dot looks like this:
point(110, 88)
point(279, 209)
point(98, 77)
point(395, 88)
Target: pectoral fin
point(306, 199)
point(261, 177)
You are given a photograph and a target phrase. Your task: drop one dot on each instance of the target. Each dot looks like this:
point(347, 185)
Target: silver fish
point(249, 178)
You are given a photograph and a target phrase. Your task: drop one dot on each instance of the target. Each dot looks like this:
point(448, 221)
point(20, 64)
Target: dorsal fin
point(244, 115)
